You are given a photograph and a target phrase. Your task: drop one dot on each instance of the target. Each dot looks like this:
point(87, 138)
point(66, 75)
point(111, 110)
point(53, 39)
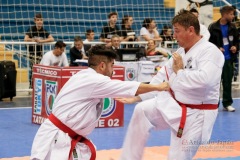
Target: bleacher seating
point(17, 16)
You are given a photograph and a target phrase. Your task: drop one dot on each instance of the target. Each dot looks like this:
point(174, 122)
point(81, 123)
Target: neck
point(223, 21)
point(112, 24)
point(38, 27)
point(127, 26)
point(192, 43)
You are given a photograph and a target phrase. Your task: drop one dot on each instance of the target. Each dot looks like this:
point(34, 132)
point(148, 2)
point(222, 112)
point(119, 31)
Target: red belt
point(184, 109)
point(75, 137)
point(193, 106)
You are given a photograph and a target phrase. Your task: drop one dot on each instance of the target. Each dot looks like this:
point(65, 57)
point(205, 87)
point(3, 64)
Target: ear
point(102, 66)
point(191, 29)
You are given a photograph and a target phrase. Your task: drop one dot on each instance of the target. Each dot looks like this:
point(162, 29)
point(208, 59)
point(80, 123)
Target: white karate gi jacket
point(78, 105)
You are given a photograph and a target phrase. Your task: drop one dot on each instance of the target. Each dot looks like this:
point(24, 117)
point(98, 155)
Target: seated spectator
point(149, 31)
point(115, 44)
point(56, 57)
point(77, 51)
point(127, 32)
point(89, 38)
point(153, 50)
point(110, 29)
point(166, 35)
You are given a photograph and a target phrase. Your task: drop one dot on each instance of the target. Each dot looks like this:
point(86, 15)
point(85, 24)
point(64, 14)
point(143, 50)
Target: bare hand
point(129, 100)
point(177, 62)
point(222, 49)
point(233, 49)
point(164, 86)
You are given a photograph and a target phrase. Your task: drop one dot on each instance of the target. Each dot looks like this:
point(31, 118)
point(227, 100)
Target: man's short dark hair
point(111, 14)
point(99, 53)
point(38, 15)
point(77, 38)
point(226, 9)
point(60, 44)
point(186, 19)
point(89, 31)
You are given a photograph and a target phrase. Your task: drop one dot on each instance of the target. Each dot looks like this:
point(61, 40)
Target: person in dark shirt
point(40, 35)
point(167, 35)
point(110, 29)
point(77, 51)
point(127, 32)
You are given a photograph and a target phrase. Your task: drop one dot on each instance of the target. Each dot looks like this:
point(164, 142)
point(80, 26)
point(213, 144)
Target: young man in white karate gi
point(190, 110)
point(78, 107)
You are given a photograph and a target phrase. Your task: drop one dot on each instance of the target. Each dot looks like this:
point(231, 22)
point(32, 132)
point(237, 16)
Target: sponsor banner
point(37, 93)
point(131, 70)
point(49, 81)
point(50, 95)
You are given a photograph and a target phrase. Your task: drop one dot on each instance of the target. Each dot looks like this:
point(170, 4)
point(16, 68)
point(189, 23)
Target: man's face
point(78, 45)
point(38, 22)
point(181, 35)
point(59, 51)
point(113, 19)
point(108, 71)
point(91, 36)
point(116, 42)
point(229, 16)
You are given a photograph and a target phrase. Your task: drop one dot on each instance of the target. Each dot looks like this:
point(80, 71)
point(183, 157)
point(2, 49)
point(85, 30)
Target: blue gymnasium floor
point(17, 131)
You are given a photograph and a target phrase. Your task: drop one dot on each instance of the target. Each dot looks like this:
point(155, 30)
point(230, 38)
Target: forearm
point(143, 88)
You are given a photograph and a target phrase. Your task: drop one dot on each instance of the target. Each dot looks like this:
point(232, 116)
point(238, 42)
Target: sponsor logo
point(130, 74)
point(47, 72)
point(109, 106)
point(51, 93)
point(37, 96)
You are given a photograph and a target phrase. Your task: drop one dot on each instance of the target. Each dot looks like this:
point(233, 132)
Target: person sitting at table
point(56, 57)
point(77, 51)
point(153, 50)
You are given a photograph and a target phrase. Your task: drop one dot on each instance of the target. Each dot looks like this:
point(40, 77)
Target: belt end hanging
point(179, 133)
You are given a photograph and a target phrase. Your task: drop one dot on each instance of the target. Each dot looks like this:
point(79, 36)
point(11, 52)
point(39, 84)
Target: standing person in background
point(149, 31)
point(110, 29)
point(77, 51)
point(40, 35)
point(78, 107)
point(224, 35)
point(56, 57)
point(203, 29)
point(89, 38)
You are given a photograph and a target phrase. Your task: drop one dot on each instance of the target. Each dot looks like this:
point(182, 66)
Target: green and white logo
point(109, 106)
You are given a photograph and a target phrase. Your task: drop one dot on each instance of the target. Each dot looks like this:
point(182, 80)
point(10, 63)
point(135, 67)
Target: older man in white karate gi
point(190, 109)
point(78, 107)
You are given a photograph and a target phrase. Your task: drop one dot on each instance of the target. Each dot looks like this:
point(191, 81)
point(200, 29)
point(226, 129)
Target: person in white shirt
point(149, 31)
point(190, 109)
point(56, 57)
point(78, 107)
point(203, 29)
